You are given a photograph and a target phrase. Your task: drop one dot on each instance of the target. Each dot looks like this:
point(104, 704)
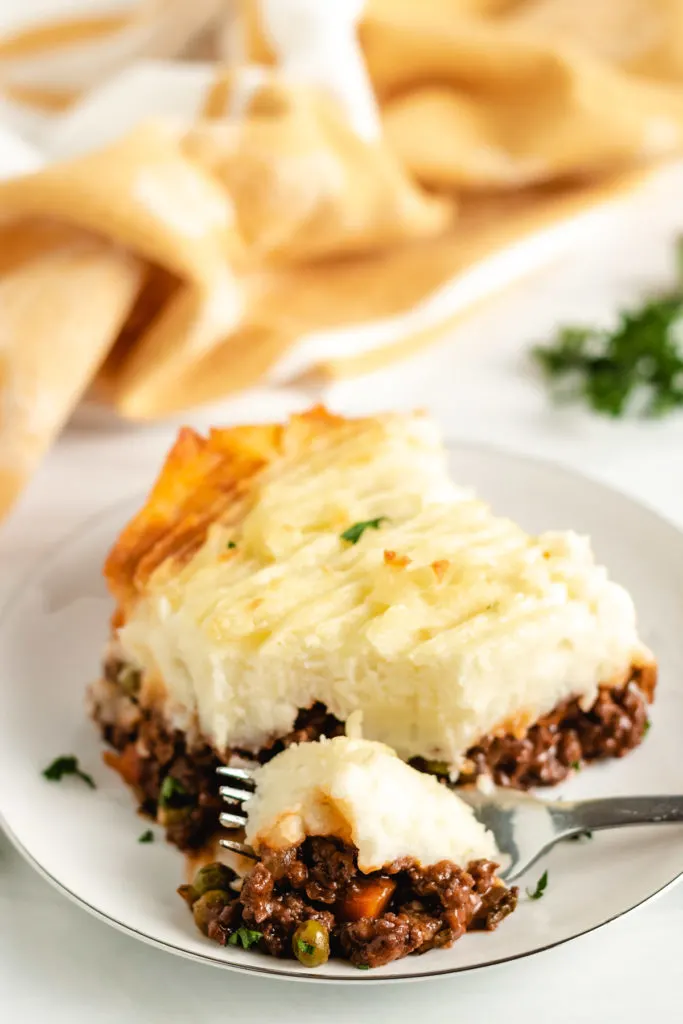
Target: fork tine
point(232, 820)
point(234, 773)
point(236, 795)
point(231, 844)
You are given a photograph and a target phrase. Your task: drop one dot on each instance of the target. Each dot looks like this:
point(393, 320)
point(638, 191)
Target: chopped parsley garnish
point(355, 532)
point(146, 837)
point(230, 545)
point(576, 765)
point(67, 765)
point(647, 727)
point(172, 793)
point(246, 936)
point(363, 967)
point(587, 834)
point(541, 887)
point(635, 368)
point(305, 947)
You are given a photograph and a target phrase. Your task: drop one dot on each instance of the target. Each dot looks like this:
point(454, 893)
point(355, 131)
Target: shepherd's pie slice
point(279, 578)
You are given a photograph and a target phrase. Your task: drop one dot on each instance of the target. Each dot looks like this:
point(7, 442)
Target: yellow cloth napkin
point(306, 187)
point(208, 252)
point(536, 94)
point(500, 94)
point(108, 259)
point(61, 307)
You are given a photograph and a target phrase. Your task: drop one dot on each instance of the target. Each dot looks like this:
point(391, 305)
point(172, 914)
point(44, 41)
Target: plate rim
point(41, 564)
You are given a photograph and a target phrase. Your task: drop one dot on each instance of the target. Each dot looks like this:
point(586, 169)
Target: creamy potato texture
point(442, 623)
point(360, 792)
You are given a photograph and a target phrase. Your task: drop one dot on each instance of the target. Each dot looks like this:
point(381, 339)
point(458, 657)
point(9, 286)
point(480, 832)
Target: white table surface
point(58, 964)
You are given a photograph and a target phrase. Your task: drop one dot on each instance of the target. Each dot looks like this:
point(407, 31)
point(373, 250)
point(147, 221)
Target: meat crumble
point(370, 919)
point(566, 738)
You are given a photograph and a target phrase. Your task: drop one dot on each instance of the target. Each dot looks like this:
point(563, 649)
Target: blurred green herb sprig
point(636, 368)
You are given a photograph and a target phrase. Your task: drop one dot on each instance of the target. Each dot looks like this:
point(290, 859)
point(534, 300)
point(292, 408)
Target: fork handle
point(614, 812)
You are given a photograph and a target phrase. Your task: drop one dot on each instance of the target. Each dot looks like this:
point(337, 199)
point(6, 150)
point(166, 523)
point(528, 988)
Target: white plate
point(85, 842)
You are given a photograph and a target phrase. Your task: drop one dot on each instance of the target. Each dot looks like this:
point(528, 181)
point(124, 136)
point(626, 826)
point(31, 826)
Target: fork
point(523, 826)
point(240, 790)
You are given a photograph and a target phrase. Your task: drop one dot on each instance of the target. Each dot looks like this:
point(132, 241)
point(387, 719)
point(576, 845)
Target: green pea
point(311, 944)
point(213, 876)
point(208, 907)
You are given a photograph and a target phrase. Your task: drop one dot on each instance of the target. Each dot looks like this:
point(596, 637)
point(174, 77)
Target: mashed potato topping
point(352, 571)
point(362, 793)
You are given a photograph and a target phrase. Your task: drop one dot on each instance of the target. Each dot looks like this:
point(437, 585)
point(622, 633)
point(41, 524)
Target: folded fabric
point(305, 186)
point(125, 254)
point(62, 307)
point(175, 236)
point(316, 216)
point(482, 95)
point(473, 93)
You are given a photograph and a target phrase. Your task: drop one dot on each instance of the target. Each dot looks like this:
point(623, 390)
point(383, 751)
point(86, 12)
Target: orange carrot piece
point(127, 763)
point(367, 898)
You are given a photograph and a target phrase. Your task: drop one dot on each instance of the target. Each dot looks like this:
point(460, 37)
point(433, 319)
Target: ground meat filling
point(566, 738)
point(148, 752)
point(371, 919)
